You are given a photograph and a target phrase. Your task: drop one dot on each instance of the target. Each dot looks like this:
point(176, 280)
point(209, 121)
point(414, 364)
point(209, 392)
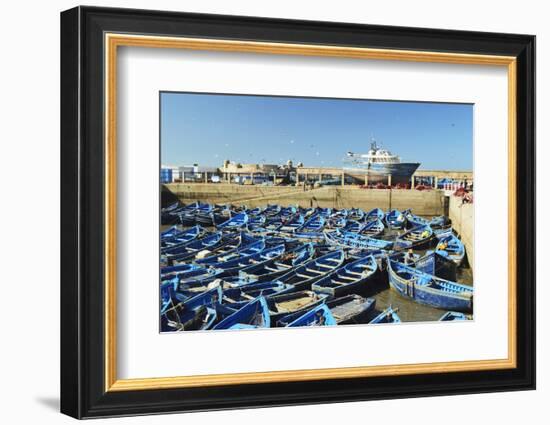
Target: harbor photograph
point(287, 212)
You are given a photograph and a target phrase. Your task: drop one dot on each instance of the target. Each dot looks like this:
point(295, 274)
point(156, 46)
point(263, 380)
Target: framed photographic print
point(261, 212)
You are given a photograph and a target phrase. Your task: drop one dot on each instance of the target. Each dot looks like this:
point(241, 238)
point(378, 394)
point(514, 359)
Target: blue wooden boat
point(292, 224)
point(188, 214)
point(167, 294)
point(350, 309)
point(173, 215)
point(389, 315)
point(182, 207)
point(271, 210)
point(219, 217)
point(414, 220)
point(255, 221)
point(170, 232)
point(250, 291)
point(287, 212)
point(229, 244)
point(323, 247)
point(354, 240)
point(170, 238)
point(293, 302)
point(351, 278)
point(441, 225)
point(310, 236)
point(217, 259)
point(340, 213)
point(254, 211)
point(395, 219)
point(190, 250)
point(273, 223)
point(184, 302)
point(195, 281)
point(438, 265)
point(206, 218)
point(317, 316)
point(428, 289)
point(314, 224)
point(419, 237)
point(307, 212)
point(353, 226)
point(304, 276)
point(170, 207)
point(187, 253)
point(248, 257)
point(375, 214)
point(170, 272)
point(181, 238)
point(277, 239)
point(336, 222)
point(238, 221)
point(356, 214)
point(208, 298)
point(254, 314)
point(441, 232)
point(324, 212)
point(176, 320)
point(273, 269)
point(372, 228)
point(453, 315)
point(451, 247)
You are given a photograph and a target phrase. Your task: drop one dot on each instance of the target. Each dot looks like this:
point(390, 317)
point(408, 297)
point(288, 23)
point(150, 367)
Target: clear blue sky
point(206, 129)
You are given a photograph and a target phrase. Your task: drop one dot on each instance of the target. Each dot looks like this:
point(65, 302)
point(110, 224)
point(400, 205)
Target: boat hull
point(461, 302)
point(378, 173)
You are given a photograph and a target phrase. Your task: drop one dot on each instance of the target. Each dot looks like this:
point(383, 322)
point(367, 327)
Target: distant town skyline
point(206, 129)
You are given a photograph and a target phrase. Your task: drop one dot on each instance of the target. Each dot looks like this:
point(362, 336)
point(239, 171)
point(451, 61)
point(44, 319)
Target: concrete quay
point(426, 203)
point(462, 217)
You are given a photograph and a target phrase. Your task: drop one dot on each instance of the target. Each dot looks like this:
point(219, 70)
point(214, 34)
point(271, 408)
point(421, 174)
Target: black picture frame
point(82, 212)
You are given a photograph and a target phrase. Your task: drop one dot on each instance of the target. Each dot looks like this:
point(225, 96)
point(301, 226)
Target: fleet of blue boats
point(227, 267)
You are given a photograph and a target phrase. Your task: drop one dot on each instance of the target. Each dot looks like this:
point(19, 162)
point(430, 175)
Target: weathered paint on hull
point(437, 299)
point(378, 173)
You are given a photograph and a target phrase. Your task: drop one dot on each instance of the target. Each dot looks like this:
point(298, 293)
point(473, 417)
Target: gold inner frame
point(113, 41)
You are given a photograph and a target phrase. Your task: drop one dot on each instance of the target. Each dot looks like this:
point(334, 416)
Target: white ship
point(380, 163)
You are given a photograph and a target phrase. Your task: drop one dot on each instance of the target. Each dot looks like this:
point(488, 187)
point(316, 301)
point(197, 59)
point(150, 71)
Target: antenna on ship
point(373, 145)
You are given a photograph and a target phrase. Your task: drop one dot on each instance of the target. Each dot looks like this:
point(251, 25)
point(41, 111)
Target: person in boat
point(441, 246)
point(425, 234)
point(321, 318)
point(409, 257)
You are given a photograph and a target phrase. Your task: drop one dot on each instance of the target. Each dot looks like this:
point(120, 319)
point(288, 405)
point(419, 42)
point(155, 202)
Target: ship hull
point(378, 173)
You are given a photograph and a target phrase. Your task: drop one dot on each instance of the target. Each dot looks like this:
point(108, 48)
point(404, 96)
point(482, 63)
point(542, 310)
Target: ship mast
point(373, 145)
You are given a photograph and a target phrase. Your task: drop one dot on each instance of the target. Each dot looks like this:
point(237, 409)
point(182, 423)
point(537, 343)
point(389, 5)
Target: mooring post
point(366, 179)
point(389, 180)
point(343, 179)
point(412, 182)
